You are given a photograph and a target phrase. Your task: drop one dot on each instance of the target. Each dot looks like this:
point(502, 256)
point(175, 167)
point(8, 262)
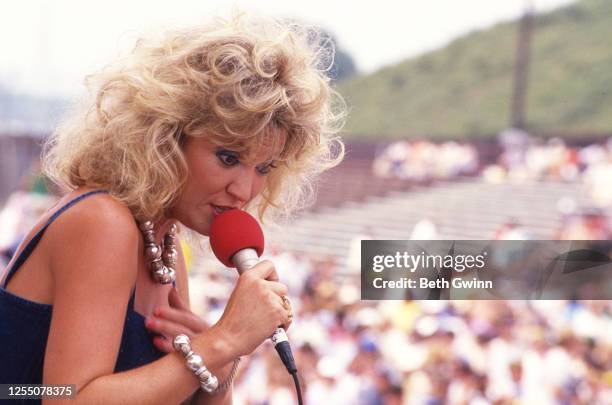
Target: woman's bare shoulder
point(95, 227)
point(98, 211)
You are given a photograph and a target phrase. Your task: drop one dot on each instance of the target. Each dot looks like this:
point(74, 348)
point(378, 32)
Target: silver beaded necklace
point(161, 260)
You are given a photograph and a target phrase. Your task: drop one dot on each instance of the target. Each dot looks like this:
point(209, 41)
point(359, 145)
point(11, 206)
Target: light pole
point(521, 68)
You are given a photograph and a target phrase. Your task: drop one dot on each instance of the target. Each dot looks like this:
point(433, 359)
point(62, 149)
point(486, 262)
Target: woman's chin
point(204, 229)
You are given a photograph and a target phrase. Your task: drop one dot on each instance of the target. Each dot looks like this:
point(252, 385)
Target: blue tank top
point(24, 328)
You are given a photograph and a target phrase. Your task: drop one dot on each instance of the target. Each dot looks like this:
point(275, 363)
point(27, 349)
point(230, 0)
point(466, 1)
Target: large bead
point(165, 275)
point(160, 274)
point(181, 343)
point(194, 362)
point(170, 277)
point(172, 230)
point(152, 252)
point(210, 385)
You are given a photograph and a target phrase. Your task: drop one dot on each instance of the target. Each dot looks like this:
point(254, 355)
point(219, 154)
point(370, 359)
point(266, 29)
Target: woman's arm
point(165, 381)
point(94, 263)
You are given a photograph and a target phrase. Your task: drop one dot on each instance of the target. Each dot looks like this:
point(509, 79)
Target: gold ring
point(287, 306)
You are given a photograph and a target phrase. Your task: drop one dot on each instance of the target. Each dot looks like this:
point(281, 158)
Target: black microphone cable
point(298, 391)
point(284, 352)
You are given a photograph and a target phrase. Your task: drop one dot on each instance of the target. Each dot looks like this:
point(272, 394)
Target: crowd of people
point(522, 158)
point(422, 161)
point(424, 352)
point(526, 159)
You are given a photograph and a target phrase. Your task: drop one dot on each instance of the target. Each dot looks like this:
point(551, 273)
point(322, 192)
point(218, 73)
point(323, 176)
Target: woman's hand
point(254, 310)
point(174, 320)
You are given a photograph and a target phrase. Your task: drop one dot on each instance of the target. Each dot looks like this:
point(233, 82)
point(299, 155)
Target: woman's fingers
point(163, 344)
point(288, 311)
point(172, 321)
point(278, 288)
point(264, 269)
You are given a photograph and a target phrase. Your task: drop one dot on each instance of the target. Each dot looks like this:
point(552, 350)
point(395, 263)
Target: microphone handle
point(245, 259)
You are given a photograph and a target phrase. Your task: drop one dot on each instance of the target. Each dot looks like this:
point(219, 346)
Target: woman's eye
point(265, 169)
point(228, 158)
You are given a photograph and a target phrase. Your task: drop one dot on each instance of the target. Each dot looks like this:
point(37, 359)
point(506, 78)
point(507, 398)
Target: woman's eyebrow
point(267, 162)
point(227, 150)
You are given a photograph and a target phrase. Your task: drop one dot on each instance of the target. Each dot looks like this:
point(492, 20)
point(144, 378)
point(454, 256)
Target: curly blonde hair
point(234, 81)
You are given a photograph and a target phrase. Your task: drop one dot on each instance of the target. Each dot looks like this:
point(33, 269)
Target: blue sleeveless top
point(24, 328)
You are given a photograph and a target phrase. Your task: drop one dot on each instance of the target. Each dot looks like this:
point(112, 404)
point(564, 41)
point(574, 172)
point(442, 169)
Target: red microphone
point(238, 241)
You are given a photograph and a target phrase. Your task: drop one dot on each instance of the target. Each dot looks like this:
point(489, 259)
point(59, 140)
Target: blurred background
point(468, 120)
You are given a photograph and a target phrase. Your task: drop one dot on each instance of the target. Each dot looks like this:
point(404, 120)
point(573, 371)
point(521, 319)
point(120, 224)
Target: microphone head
point(234, 230)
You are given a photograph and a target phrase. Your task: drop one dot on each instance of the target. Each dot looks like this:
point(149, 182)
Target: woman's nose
point(241, 187)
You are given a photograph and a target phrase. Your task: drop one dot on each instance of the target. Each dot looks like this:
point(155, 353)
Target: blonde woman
point(233, 114)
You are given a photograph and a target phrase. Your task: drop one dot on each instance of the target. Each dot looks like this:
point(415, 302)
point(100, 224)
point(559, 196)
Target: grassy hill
point(464, 89)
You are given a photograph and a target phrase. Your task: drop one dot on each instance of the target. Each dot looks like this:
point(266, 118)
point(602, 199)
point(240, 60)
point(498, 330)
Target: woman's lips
point(219, 209)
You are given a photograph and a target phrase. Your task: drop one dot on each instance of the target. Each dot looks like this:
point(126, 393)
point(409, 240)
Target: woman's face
point(219, 179)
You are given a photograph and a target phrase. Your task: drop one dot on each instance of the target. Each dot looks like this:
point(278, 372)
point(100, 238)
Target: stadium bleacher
point(465, 209)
